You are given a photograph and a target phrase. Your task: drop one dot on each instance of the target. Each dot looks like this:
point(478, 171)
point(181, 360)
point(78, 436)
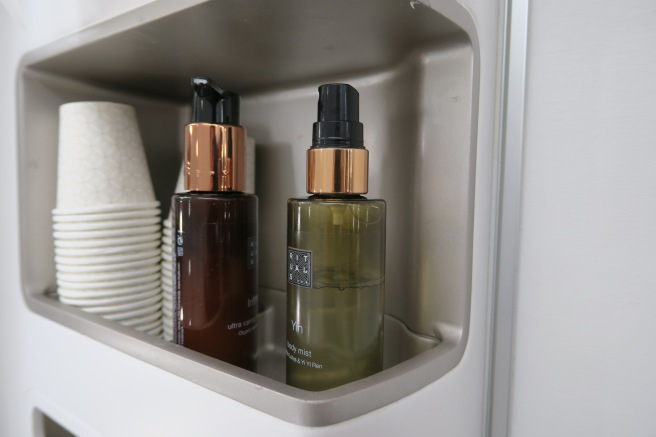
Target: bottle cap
point(338, 117)
point(211, 104)
point(337, 162)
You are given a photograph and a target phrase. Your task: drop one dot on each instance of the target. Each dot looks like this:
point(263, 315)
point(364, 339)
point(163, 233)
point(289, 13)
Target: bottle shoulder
point(214, 195)
point(334, 200)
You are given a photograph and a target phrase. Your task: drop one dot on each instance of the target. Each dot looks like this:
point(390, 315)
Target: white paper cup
point(168, 258)
point(167, 278)
point(166, 232)
point(167, 223)
point(107, 276)
point(144, 327)
point(111, 300)
point(180, 183)
point(123, 307)
point(101, 159)
point(107, 292)
point(157, 331)
point(107, 242)
point(107, 267)
point(97, 268)
point(250, 165)
point(167, 267)
point(107, 216)
point(167, 324)
point(167, 298)
point(105, 233)
point(110, 259)
point(105, 224)
point(108, 284)
point(124, 315)
point(167, 284)
point(141, 320)
point(168, 305)
point(106, 209)
point(119, 249)
point(166, 247)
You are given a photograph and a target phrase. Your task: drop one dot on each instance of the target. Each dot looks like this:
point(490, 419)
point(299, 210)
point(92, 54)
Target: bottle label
point(178, 253)
point(252, 253)
point(299, 267)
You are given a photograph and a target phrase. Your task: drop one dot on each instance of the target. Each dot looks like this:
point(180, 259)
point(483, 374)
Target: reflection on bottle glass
point(215, 275)
point(335, 324)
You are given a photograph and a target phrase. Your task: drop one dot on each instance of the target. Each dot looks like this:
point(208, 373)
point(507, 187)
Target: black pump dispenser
point(338, 118)
point(212, 104)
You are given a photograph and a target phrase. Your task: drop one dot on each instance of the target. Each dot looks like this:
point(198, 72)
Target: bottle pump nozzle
point(212, 104)
point(338, 117)
point(215, 143)
point(337, 162)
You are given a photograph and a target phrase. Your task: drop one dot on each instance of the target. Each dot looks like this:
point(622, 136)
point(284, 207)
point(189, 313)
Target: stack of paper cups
point(106, 224)
point(167, 241)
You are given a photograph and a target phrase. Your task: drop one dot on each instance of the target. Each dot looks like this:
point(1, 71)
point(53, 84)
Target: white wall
point(26, 24)
point(585, 355)
point(10, 322)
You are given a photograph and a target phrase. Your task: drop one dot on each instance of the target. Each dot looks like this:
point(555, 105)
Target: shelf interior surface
point(254, 45)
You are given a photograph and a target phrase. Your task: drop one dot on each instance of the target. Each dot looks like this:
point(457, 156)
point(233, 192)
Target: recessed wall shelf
point(417, 70)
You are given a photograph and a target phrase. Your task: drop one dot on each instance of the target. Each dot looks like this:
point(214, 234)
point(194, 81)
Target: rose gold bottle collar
point(337, 170)
point(215, 157)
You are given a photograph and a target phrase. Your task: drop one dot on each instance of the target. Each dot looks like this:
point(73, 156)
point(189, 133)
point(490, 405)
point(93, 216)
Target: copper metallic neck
point(215, 157)
point(337, 170)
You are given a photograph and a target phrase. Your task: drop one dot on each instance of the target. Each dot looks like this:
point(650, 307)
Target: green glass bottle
point(335, 256)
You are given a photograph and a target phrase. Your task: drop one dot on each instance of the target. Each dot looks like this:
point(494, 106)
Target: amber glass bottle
point(215, 235)
point(335, 256)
